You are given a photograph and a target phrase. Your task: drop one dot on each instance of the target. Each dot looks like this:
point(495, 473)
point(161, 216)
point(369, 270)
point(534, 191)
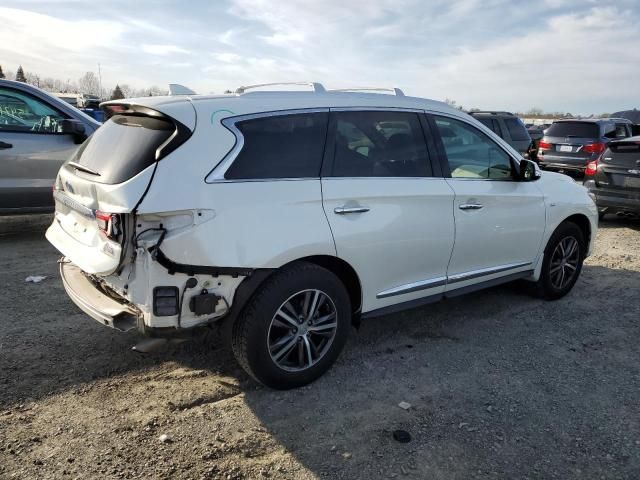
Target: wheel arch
point(345, 272)
point(583, 223)
point(335, 265)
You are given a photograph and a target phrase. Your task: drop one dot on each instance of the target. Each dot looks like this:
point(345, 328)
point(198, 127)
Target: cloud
point(164, 50)
point(571, 55)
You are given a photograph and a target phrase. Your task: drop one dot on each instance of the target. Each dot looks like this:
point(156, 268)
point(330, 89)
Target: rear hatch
point(98, 190)
point(572, 142)
point(619, 166)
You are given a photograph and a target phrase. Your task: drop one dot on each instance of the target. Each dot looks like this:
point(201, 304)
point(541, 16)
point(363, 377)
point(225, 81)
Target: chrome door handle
point(470, 206)
point(343, 210)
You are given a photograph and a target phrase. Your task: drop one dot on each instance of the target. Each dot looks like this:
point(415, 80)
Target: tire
point(601, 214)
point(280, 353)
point(553, 283)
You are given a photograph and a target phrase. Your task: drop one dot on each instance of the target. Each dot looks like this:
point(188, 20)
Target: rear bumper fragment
point(94, 302)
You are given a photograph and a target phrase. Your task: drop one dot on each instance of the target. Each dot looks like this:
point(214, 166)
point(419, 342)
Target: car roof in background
point(592, 120)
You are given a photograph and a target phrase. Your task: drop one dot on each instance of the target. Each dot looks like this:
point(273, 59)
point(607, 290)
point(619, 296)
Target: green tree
point(1, 72)
point(20, 75)
point(117, 93)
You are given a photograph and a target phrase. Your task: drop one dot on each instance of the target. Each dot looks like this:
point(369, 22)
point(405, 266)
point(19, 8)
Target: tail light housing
point(108, 223)
point(594, 147)
point(592, 168)
point(544, 145)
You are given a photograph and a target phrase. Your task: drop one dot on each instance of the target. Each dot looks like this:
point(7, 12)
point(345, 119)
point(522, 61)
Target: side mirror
point(69, 126)
point(529, 171)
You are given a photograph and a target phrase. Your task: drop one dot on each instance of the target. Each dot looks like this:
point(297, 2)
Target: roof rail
point(317, 87)
point(177, 89)
point(396, 91)
point(492, 112)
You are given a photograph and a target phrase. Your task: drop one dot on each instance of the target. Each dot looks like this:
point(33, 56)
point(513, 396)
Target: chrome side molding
point(440, 281)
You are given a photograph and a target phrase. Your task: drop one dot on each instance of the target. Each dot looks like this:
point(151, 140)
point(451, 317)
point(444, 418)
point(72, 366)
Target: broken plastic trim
point(173, 267)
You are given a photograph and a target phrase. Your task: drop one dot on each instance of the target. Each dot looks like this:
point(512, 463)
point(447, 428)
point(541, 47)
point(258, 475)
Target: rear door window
point(122, 147)
point(282, 146)
point(574, 129)
point(378, 144)
point(517, 130)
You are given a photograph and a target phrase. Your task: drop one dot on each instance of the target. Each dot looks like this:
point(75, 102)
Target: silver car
point(38, 133)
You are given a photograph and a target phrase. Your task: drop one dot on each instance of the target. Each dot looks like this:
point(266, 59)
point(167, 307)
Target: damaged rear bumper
point(94, 302)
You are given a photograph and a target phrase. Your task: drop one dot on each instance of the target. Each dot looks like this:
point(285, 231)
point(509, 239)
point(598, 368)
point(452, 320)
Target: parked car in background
point(38, 132)
point(89, 104)
point(508, 127)
point(536, 132)
point(614, 177)
point(569, 145)
point(291, 215)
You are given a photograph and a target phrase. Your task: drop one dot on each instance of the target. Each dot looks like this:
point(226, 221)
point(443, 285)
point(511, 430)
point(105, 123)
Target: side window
point(471, 154)
point(491, 123)
point(284, 146)
point(610, 130)
point(20, 112)
point(379, 144)
point(621, 130)
point(517, 130)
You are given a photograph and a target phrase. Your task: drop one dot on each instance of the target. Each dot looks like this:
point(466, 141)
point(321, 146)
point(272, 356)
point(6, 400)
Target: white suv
point(291, 215)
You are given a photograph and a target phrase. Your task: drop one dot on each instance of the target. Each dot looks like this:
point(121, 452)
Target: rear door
point(499, 220)
point(619, 167)
point(31, 151)
point(389, 211)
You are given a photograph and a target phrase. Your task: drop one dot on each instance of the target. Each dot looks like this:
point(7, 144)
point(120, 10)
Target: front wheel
point(562, 263)
point(293, 329)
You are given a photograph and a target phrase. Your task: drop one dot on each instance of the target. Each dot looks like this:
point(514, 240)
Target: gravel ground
point(501, 385)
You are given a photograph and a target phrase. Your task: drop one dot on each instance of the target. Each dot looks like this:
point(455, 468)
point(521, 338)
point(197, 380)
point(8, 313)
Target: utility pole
point(100, 80)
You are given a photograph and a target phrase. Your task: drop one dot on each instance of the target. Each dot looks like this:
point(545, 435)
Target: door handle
point(470, 206)
point(343, 210)
point(4, 145)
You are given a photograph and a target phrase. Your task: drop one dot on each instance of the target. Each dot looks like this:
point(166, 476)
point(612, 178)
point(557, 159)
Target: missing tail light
point(108, 223)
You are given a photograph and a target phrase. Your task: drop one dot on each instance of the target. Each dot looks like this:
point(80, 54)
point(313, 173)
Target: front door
point(499, 220)
point(391, 219)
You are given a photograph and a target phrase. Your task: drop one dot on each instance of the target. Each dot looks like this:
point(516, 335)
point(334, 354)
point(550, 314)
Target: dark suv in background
point(614, 178)
point(507, 126)
point(569, 145)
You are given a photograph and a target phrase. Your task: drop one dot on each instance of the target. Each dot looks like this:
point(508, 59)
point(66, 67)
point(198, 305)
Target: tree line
point(89, 84)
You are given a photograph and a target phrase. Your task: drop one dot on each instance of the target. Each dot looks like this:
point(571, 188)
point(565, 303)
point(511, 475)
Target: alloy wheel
point(564, 262)
point(302, 330)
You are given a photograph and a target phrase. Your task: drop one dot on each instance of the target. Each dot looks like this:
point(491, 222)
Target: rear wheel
point(562, 263)
point(293, 329)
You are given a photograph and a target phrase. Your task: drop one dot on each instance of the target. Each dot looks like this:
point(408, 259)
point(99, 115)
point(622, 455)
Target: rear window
point(284, 146)
point(517, 130)
point(573, 129)
point(122, 147)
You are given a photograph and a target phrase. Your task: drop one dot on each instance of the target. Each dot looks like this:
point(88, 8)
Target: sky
point(578, 56)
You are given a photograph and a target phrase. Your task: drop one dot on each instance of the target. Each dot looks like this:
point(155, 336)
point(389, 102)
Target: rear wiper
point(82, 168)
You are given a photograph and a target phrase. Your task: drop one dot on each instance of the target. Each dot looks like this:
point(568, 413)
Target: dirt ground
point(501, 385)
